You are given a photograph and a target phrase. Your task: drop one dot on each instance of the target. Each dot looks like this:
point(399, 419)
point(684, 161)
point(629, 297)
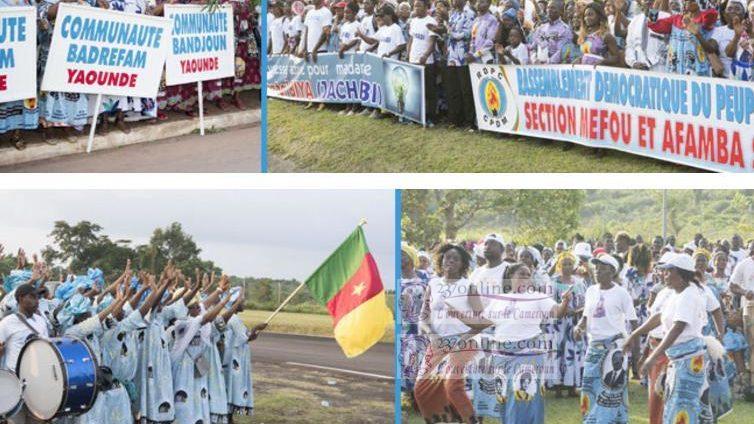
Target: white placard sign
point(18, 53)
point(201, 43)
point(101, 51)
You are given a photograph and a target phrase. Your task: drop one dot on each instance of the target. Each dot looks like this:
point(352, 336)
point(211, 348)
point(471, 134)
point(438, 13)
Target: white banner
point(201, 44)
point(696, 121)
point(18, 53)
point(101, 51)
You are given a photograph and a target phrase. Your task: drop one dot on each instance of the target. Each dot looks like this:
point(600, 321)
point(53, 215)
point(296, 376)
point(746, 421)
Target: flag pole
point(362, 222)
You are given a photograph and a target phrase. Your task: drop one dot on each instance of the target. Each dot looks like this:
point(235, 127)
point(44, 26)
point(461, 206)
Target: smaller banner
point(18, 53)
point(695, 121)
point(201, 44)
point(101, 51)
point(362, 78)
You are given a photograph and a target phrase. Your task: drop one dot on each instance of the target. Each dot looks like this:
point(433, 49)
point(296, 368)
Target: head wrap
point(511, 13)
point(411, 252)
point(15, 279)
point(75, 306)
point(565, 255)
point(72, 286)
point(97, 277)
point(702, 252)
point(533, 252)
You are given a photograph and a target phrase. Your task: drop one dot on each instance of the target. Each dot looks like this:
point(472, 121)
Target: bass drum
point(60, 377)
point(10, 394)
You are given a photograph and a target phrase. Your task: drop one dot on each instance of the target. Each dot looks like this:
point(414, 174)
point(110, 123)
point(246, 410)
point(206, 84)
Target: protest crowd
point(694, 37)
point(170, 347)
point(52, 112)
point(490, 326)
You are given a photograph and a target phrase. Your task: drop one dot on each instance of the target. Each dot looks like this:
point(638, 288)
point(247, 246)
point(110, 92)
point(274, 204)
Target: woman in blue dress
point(190, 362)
point(58, 109)
point(237, 359)
point(20, 114)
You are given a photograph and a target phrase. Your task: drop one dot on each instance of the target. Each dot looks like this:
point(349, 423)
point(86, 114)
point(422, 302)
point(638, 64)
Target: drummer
point(16, 329)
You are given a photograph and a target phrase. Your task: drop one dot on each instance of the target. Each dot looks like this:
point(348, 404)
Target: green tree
point(172, 243)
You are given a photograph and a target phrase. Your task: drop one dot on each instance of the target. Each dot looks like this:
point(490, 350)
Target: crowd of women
point(65, 112)
point(692, 37)
point(172, 348)
point(490, 327)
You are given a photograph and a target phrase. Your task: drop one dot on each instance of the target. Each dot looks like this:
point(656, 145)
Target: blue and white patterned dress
point(57, 109)
point(237, 367)
point(19, 114)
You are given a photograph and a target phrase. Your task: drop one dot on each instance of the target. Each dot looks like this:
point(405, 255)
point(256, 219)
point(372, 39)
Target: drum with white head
point(60, 377)
point(10, 394)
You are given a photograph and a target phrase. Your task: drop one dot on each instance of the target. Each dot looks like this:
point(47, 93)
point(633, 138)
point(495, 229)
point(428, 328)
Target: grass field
point(309, 141)
point(296, 323)
point(566, 410)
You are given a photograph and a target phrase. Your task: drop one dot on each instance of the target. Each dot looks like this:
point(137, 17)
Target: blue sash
point(686, 388)
point(508, 384)
point(604, 392)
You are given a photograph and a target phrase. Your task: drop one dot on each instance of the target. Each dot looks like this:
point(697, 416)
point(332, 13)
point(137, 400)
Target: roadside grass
point(566, 410)
point(283, 394)
point(327, 142)
point(298, 323)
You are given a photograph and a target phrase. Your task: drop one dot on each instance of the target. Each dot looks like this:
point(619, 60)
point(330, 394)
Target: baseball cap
point(582, 249)
point(680, 261)
point(607, 260)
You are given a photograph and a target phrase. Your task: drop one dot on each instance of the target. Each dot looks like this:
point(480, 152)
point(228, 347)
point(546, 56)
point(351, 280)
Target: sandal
point(17, 140)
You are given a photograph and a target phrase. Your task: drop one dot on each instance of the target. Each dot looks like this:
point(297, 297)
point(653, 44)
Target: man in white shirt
point(16, 329)
point(292, 26)
point(742, 283)
point(317, 25)
point(421, 49)
point(276, 30)
point(488, 278)
point(646, 49)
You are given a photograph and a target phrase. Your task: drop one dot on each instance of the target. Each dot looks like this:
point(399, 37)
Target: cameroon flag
point(349, 284)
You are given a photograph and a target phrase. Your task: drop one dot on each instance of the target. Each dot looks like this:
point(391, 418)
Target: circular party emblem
point(495, 99)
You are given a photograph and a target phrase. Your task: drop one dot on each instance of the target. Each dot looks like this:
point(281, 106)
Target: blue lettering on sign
point(12, 29)
point(7, 59)
point(734, 103)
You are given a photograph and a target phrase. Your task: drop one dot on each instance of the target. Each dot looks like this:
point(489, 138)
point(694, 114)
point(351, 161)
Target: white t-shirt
point(687, 306)
point(737, 256)
point(489, 280)
point(519, 316)
point(724, 35)
point(348, 34)
point(292, 26)
point(14, 333)
point(607, 311)
point(454, 293)
point(743, 275)
point(420, 37)
point(367, 28)
point(316, 20)
point(390, 37)
point(522, 54)
point(656, 308)
point(277, 34)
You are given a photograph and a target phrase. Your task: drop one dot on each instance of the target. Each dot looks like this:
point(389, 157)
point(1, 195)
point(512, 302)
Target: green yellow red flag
point(349, 284)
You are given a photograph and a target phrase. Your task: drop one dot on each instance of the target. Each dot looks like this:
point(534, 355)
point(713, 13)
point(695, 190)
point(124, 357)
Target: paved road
point(235, 150)
point(318, 352)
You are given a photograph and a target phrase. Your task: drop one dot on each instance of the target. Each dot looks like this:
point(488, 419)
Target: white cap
point(495, 237)
point(582, 249)
point(666, 257)
point(680, 261)
point(607, 260)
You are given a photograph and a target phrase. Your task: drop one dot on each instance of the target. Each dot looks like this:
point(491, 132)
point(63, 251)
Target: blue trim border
point(397, 309)
point(263, 100)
